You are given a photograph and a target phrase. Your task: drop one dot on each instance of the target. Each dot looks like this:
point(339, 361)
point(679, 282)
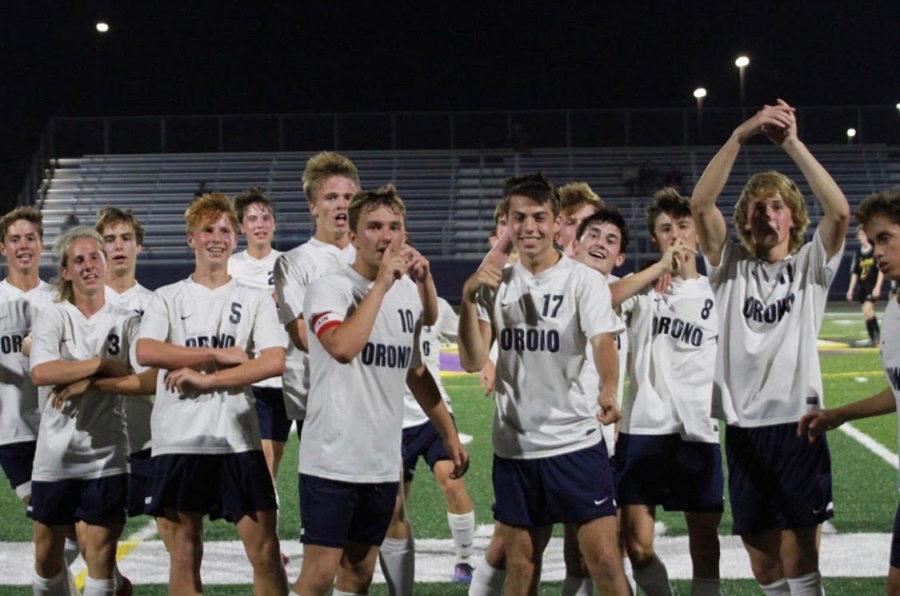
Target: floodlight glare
point(742, 61)
point(851, 132)
point(102, 27)
point(898, 106)
point(699, 92)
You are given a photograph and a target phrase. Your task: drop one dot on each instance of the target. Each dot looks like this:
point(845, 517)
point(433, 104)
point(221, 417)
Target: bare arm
point(879, 281)
point(63, 372)
point(817, 422)
point(425, 390)
point(853, 279)
point(269, 363)
point(297, 332)
point(626, 287)
point(606, 359)
point(159, 354)
point(474, 337)
point(419, 270)
point(712, 230)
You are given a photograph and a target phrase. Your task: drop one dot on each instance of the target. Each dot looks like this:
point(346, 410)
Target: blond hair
point(766, 184)
point(323, 166)
point(209, 207)
point(575, 195)
point(369, 200)
point(28, 214)
point(110, 216)
point(61, 249)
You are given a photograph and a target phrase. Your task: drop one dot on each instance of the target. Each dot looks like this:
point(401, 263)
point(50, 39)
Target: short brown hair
point(369, 200)
point(209, 207)
point(323, 166)
point(666, 200)
point(534, 186)
point(766, 184)
point(28, 214)
point(575, 195)
point(886, 203)
point(250, 196)
point(110, 216)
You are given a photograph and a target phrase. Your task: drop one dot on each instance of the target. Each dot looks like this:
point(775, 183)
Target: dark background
point(221, 57)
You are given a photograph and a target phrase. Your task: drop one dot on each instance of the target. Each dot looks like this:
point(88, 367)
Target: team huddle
point(118, 401)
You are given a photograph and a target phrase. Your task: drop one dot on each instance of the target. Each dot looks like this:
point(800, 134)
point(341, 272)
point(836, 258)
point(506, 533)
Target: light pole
point(742, 62)
point(699, 94)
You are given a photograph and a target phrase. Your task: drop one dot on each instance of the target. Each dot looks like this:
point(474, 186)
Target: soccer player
point(81, 348)
point(865, 286)
point(879, 215)
point(668, 449)
point(545, 311)
point(770, 293)
point(421, 439)
point(255, 267)
point(329, 182)
point(207, 454)
point(22, 296)
point(365, 321)
point(576, 202)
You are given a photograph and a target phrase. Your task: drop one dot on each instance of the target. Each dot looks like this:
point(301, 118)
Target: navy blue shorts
point(895, 541)
point(221, 486)
point(138, 480)
point(333, 513)
point(63, 502)
point(669, 471)
point(274, 424)
point(570, 488)
point(424, 441)
point(16, 459)
point(777, 480)
point(299, 429)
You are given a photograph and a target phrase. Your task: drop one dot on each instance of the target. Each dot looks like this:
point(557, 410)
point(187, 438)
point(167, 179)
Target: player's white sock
point(99, 587)
point(487, 580)
point(653, 578)
point(398, 563)
point(337, 592)
point(462, 528)
point(629, 574)
point(71, 551)
point(806, 585)
point(705, 587)
point(54, 586)
point(779, 588)
point(577, 586)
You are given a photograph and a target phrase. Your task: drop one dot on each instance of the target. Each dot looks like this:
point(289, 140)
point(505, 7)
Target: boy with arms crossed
point(545, 311)
point(668, 450)
point(255, 267)
point(207, 455)
point(770, 292)
point(879, 215)
point(365, 321)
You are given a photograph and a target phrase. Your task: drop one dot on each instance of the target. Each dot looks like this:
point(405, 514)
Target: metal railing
point(516, 129)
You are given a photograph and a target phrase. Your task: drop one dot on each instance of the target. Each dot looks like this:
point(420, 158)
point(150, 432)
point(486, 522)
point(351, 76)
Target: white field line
point(871, 444)
point(843, 555)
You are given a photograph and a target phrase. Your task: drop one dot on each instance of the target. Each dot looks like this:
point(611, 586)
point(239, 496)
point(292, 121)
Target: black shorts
point(333, 512)
point(895, 541)
point(98, 501)
point(274, 425)
point(777, 480)
point(222, 486)
point(669, 471)
point(17, 460)
point(573, 487)
point(138, 479)
point(424, 441)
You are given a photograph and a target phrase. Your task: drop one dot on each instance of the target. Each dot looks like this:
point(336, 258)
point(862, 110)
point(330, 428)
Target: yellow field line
point(854, 373)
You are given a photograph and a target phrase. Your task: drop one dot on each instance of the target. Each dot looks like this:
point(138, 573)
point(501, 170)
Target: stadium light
point(851, 133)
point(102, 27)
point(742, 62)
point(699, 94)
point(898, 107)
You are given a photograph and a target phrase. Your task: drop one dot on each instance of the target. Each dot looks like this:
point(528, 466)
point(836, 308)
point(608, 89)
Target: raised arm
point(419, 270)
point(474, 337)
point(626, 287)
point(712, 230)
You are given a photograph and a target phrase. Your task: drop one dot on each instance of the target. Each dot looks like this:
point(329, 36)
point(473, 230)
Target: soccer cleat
point(462, 574)
point(126, 589)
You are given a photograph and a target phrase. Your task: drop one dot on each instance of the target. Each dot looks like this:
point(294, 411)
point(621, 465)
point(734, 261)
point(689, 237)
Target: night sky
point(230, 57)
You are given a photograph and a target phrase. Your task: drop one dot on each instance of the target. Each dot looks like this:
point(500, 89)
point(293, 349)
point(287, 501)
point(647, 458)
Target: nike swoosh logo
point(601, 501)
point(183, 317)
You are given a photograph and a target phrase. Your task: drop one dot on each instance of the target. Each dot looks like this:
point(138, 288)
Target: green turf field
point(864, 484)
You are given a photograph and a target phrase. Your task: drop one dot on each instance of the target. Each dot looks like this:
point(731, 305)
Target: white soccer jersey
point(543, 324)
point(430, 339)
point(138, 408)
point(86, 439)
point(354, 415)
point(890, 353)
point(767, 369)
point(257, 273)
point(294, 271)
point(590, 378)
point(673, 355)
point(189, 314)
